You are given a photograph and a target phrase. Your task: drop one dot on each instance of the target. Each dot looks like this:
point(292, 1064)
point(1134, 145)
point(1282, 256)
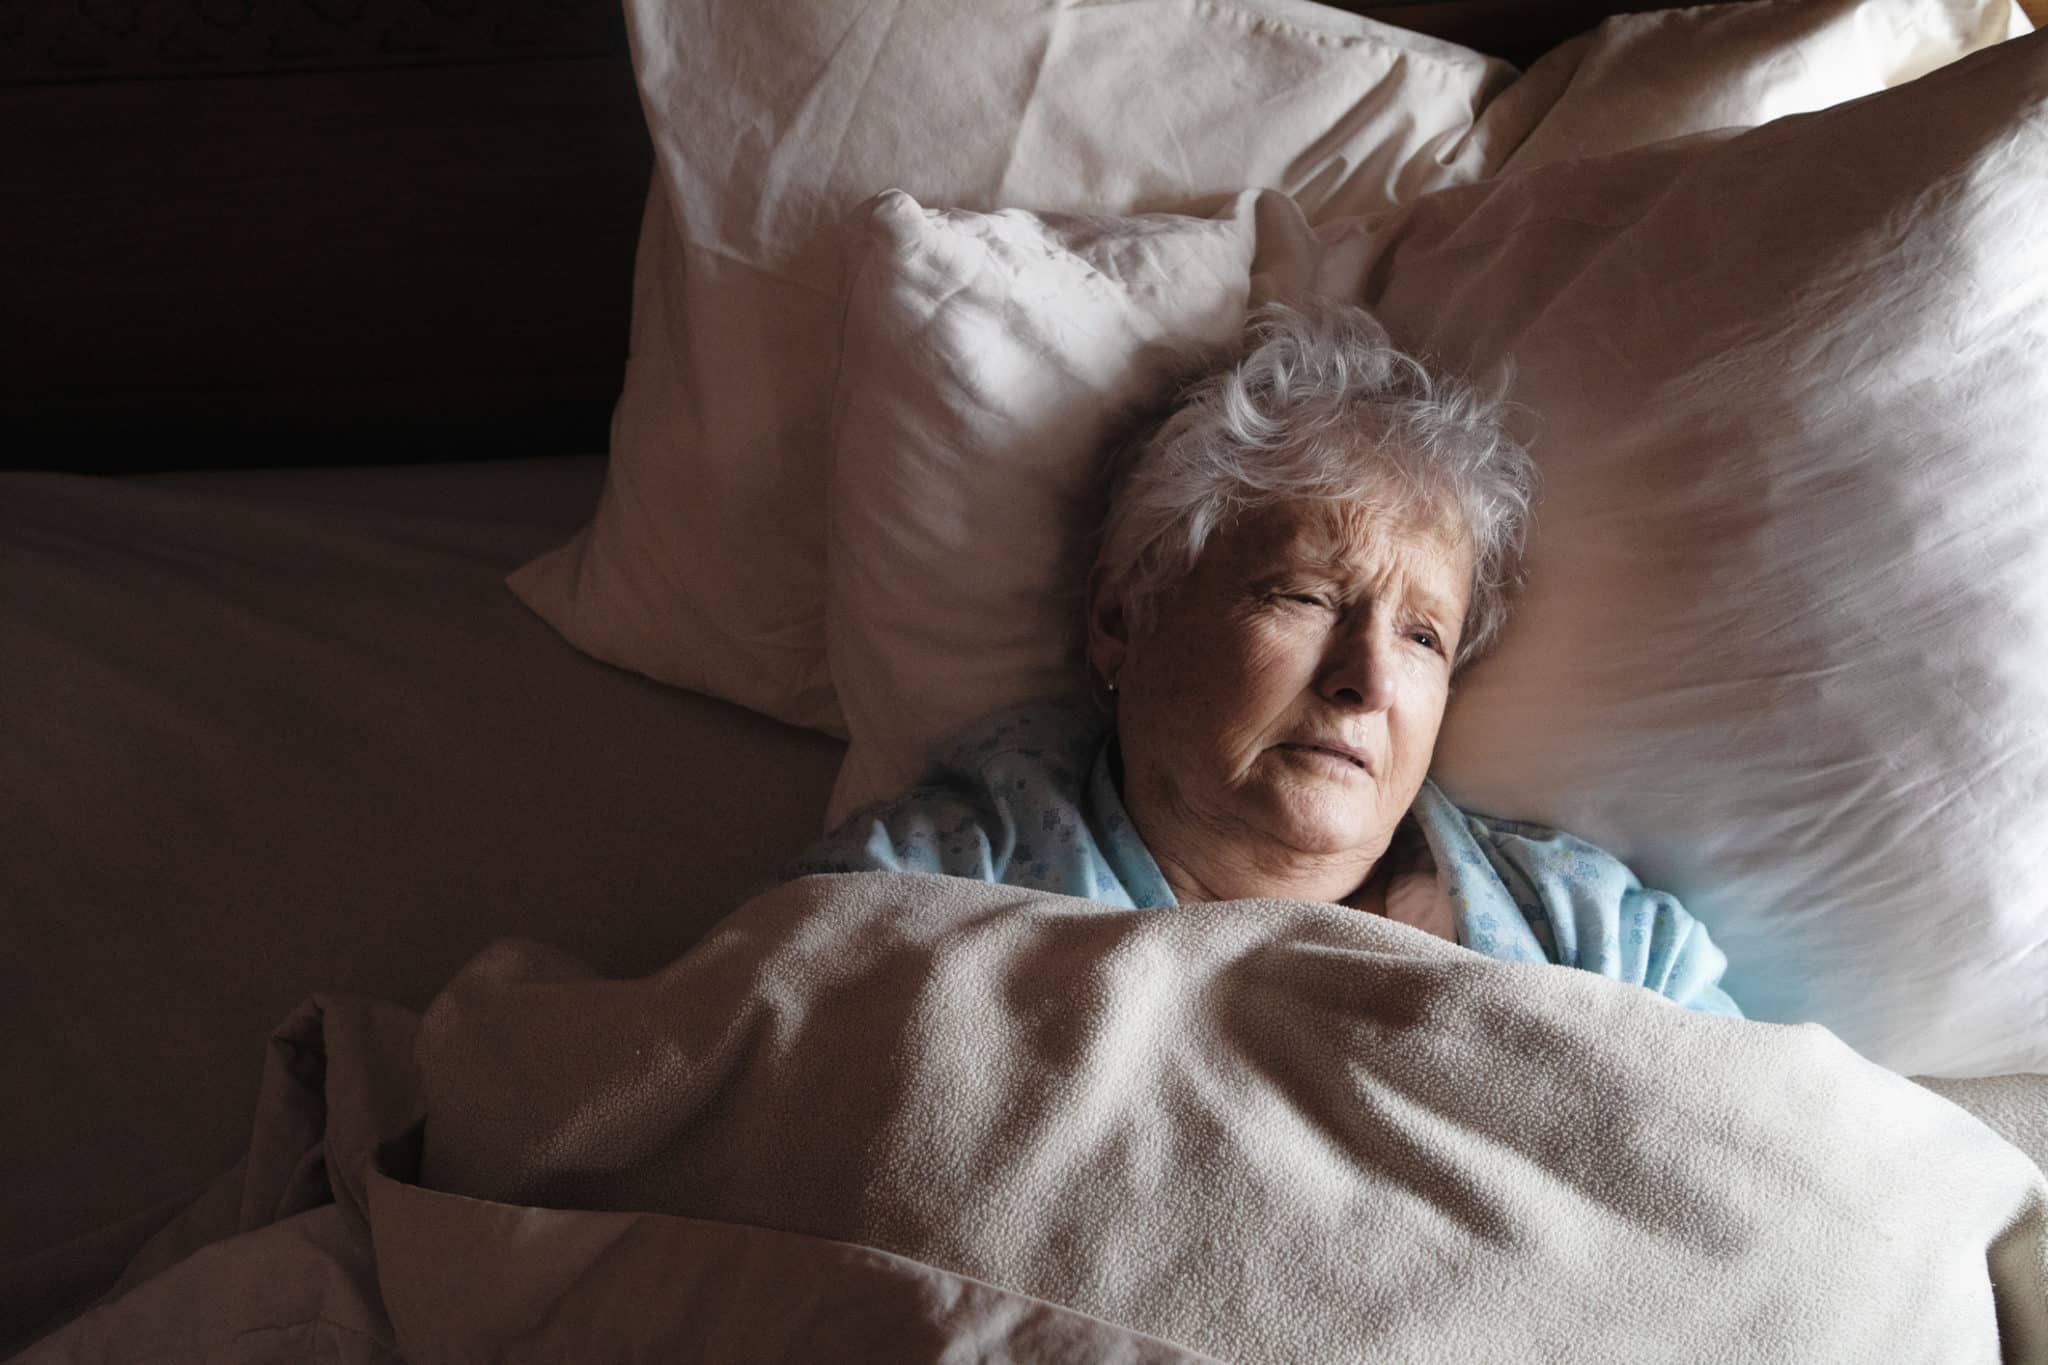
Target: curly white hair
point(1321, 407)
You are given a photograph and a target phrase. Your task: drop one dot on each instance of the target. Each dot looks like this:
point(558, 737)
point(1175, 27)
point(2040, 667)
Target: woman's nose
point(1357, 673)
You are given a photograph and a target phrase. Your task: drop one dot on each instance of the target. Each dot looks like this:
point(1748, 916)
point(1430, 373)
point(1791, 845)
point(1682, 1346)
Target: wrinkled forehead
point(1421, 527)
point(1358, 536)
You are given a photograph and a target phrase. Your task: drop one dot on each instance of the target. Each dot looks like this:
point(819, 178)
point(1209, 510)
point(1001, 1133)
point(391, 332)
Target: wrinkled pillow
point(1643, 78)
point(703, 565)
point(1783, 646)
point(990, 357)
point(1785, 642)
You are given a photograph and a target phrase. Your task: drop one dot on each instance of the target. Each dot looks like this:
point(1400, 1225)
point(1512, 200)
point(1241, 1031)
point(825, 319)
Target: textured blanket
point(895, 1118)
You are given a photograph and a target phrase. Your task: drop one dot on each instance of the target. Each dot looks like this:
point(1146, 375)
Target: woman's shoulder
point(1002, 793)
point(1031, 751)
point(1532, 840)
point(1584, 906)
point(1054, 738)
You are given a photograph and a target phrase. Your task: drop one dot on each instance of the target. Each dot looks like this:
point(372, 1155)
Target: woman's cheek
point(1421, 707)
point(1277, 650)
point(1266, 662)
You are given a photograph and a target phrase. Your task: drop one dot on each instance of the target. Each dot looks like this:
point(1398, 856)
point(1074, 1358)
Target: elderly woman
point(1297, 562)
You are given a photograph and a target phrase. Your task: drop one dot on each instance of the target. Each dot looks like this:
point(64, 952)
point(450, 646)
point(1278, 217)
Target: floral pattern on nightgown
point(1028, 797)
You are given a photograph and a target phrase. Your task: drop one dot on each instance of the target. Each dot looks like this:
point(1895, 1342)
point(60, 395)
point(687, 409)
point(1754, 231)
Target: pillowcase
point(1782, 646)
point(1784, 641)
point(989, 360)
point(703, 565)
point(1643, 78)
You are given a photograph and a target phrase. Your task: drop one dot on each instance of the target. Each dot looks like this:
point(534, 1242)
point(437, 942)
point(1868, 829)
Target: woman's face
point(1278, 715)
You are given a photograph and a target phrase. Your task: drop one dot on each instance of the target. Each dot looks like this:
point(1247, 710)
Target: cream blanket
point(896, 1118)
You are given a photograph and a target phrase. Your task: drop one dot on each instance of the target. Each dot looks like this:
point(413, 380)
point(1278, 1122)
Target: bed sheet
point(283, 732)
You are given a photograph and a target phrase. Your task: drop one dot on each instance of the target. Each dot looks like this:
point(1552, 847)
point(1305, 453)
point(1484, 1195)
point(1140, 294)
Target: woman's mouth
point(1332, 756)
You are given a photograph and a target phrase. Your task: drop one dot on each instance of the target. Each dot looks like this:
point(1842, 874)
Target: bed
point(507, 475)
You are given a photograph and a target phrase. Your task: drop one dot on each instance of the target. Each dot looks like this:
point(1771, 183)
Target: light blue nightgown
point(1027, 797)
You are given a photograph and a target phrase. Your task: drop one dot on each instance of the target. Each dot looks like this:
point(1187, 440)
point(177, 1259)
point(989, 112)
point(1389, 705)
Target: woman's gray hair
point(1321, 407)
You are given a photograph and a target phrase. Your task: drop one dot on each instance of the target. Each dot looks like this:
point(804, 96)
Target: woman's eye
point(1425, 638)
point(1306, 599)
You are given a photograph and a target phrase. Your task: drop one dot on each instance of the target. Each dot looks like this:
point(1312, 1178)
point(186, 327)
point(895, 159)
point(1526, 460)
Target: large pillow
point(1785, 645)
point(1643, 78)
point(704, 563)
point(1786, 642)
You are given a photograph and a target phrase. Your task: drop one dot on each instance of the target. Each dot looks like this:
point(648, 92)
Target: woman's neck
point(1204, 863)
point(1224, 875)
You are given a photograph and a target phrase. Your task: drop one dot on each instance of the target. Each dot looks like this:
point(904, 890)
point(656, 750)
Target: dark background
point(281, 232)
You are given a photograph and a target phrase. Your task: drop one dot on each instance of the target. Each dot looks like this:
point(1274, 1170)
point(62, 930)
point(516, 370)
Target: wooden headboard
point(278, 232)
point(301, 231)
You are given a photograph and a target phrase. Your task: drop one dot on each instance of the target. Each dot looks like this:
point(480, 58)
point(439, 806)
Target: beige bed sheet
point(270, 734)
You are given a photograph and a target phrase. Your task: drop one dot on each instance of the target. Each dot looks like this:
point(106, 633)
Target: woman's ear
point(1108, 627)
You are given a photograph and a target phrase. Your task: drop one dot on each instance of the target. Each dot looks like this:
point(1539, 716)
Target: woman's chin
point(1314, 824)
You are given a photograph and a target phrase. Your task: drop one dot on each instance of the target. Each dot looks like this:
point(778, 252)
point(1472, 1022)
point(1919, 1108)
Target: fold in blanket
point(876, 1117)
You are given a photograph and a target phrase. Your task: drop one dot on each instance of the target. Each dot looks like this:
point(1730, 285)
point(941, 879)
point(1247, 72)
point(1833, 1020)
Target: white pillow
point(704, 563)
point(1786, 643)
point(1643, 78)
point(989, 358)
point(1785, 646)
